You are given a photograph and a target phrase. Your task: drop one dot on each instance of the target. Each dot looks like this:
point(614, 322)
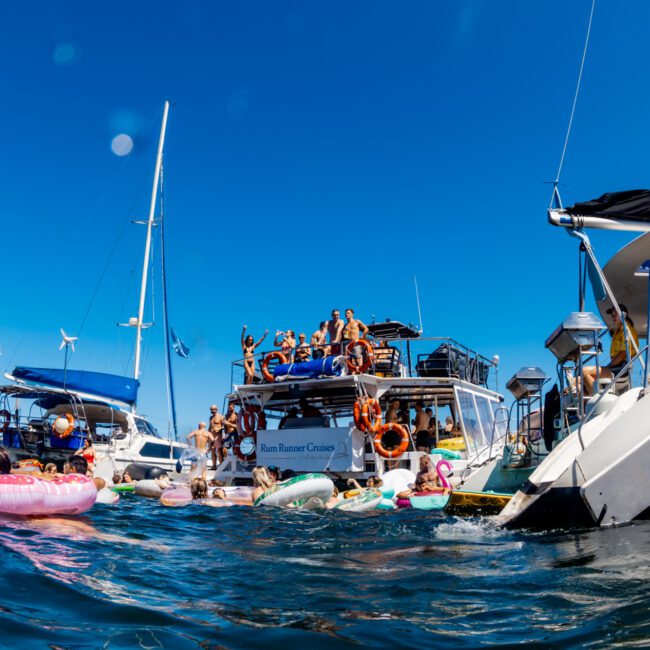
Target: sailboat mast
point(147, 248)
point(168, 359)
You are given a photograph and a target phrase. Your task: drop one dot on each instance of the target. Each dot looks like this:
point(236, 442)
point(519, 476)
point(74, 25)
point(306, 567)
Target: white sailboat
point(96, 405)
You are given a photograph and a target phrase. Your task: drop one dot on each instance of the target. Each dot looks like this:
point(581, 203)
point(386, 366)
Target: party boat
point(326, 415)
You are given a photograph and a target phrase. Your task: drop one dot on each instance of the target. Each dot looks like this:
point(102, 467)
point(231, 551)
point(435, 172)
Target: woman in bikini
point(88, 452)
point(287, 343)
point(248, 347)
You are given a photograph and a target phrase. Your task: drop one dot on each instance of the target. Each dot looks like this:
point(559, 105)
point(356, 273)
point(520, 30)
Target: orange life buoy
point(391, 453)
point(247, 420)
point(363, 410)
point(265, 364)
point(31, 462)
point(6, 419)
point(354, 368)
point(238, 452)
point(68, 431)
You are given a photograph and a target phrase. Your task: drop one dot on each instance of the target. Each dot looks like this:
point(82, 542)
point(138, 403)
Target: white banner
point(338, 449)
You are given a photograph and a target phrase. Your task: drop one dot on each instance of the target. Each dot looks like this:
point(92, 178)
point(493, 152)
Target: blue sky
point(319, 154)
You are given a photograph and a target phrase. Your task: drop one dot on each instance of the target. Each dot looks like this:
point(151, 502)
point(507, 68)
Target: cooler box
point(74, 441)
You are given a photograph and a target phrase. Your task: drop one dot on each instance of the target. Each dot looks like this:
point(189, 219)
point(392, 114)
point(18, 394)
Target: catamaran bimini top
point(122, 390)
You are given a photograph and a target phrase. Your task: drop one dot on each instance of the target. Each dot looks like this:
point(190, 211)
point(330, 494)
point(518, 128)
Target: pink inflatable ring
point(21, 494)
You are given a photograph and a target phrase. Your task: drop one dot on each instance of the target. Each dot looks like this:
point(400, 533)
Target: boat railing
point(396, 358)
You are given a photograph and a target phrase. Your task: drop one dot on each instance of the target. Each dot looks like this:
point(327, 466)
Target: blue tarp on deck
point(116, 387)
point(327, 367)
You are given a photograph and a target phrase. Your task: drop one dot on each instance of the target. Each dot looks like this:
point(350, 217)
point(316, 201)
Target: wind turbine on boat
point(67, 343)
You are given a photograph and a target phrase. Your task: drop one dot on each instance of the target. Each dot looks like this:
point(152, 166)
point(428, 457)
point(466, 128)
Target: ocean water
point(139, 575)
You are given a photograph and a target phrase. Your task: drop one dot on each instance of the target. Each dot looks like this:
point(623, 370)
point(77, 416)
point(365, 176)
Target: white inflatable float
point(297, 491)
point(107, 496)
point(148, 488)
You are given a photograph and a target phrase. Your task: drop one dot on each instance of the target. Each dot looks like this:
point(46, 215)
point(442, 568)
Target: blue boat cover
point(326, 367)
point(116, 387)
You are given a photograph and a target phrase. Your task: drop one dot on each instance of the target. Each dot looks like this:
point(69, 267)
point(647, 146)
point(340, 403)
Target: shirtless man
point(216, 429)
point(334, 328)
point(201, 437)
point(354, 327)
point(230, 423)
point(317, 342)
point(392, 415)
point(421, 430)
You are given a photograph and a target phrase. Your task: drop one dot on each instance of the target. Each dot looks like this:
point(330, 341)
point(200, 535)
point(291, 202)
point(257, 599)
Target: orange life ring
point(392, 453)
point(70, 428)
point(354, 368)
point(247, 420)
point(362, 413)
point(265, 364)
point(238, 452)
point(6, 419)
point(31, 462)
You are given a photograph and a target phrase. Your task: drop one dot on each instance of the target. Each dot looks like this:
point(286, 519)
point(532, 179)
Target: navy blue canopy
point(116, 387)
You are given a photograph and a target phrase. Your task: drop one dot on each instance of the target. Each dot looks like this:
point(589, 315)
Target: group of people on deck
point(326, 340)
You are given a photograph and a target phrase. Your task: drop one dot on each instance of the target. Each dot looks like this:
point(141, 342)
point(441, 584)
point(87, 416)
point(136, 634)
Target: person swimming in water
point(262, 481)
point(50, 470)
point(248, 347)
point(199, 488)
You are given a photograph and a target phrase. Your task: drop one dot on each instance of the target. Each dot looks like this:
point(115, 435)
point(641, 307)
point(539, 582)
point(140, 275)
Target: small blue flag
point(179, 347)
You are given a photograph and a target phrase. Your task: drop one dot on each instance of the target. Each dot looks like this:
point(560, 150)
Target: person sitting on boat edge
point(262, 481)
point(303, 351)
point(248, 347)
point(618, 350)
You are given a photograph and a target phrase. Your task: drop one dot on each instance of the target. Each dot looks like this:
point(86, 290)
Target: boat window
point(156, 450)
point(146, 427)
point(486, 416)
point(471, 423)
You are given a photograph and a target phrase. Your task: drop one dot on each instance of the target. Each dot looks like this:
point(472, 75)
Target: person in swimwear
point(199, 488)
point(287, 343)
point(426, 480)
point(126, 478)
point(317, 342)
point(248, 347)
point(333, 500)
point(77, 464)
point(202, 437)
point(230, 425)
point(216, 429)
point(88, 452)
point(303, 351)
point(50, 470)
point(334, 329)
point(262, 481)
point(354, 328)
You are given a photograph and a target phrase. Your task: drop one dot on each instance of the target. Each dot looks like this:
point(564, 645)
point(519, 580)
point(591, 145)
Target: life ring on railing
point(265, 364)
point(66, 432)
point(237, 448)
point(6, 419)
point(391, 453)
point(350, 354)
point(247, 420)
point(363, 410)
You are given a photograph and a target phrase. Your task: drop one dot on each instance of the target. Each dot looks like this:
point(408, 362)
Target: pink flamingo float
point(434, 499)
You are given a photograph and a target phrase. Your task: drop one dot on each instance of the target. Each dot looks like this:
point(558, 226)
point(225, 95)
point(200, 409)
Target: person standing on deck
point(354, 328)
point(230, 425)
point(248, 347)
point(201, 437)
point(318, 342)
point(303, 351)
point(421, 428)
point(334, 328)
point(216, 429)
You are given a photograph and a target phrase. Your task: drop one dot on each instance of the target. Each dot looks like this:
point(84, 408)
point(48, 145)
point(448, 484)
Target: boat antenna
point(417, 297)
point(147, 249)
point(171, 402)
point(555, 199)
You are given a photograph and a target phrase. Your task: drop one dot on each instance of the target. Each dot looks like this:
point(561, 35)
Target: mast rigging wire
point(575, 100)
